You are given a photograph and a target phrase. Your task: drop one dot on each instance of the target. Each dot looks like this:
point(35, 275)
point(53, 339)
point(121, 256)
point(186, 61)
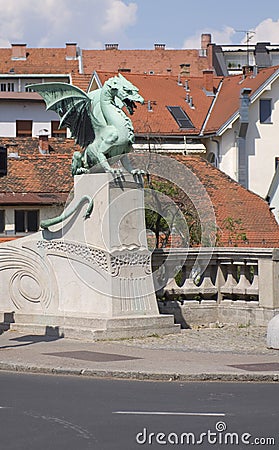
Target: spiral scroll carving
point(31, 279)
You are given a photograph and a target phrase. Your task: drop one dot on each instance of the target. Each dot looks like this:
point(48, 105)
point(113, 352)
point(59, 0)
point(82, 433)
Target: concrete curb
point(141, 376)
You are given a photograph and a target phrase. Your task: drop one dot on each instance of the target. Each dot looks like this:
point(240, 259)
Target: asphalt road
point(58, 413)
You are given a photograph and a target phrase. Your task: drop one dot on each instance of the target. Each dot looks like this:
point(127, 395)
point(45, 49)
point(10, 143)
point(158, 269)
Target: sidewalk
point(227, 353)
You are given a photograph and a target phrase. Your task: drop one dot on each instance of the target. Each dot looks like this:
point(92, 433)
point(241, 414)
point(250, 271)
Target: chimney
point(159, 46)
point(185, 69)
point(19, 51)
point(43, 142)
point(111, 46)
point(71, 50)
point(179, 82)
point(244, 111)
point(210, 56)
point(205, 41)
point(208, 80)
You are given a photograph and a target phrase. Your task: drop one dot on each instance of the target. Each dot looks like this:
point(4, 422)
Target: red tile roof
point(37, 174)
point(54, 60)
point(38, 60)
point(163, 91)
point(81, 80)
point(35, 178)
point(159, 61)
point(228, 101)
point(243, 218)
point(30, 146)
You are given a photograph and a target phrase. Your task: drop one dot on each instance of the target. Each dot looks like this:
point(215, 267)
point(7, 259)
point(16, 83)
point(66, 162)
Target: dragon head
point(125, 91)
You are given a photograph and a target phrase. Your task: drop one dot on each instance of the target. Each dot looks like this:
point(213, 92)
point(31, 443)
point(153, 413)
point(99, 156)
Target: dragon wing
point(72, 105)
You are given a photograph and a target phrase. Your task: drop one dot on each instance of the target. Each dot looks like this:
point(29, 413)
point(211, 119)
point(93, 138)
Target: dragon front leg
point(137, 173)
point(78, 165)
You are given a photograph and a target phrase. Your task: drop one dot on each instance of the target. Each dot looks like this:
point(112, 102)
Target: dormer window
point(181, 117)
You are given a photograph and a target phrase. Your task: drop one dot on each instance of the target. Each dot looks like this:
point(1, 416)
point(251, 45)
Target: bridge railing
point(218, 276)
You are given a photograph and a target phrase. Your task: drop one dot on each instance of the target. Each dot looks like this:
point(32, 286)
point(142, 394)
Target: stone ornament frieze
point(111, 263)
point(78, 250)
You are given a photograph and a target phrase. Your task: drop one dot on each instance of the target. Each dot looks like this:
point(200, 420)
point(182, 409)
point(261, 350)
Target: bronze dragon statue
point(96, 121)
point(98, 124)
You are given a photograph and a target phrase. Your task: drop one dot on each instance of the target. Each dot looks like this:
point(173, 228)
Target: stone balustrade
point(234, 285)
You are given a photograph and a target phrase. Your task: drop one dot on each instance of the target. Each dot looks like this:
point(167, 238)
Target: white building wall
point(35, 111)
point(228, 152)
point(263, 144)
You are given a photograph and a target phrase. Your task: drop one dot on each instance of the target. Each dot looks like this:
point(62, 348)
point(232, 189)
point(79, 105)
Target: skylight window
point(180, 116)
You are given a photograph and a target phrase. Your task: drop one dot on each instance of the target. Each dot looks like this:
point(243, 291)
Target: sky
point(136, 24)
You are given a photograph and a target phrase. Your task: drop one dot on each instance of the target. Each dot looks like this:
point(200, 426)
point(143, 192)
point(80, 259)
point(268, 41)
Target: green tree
point(170, 214)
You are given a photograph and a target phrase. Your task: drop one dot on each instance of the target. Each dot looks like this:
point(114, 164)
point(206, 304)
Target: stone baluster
point(243, 284)
point(207, 289)
point(253, 289)
point(229, 270)
point(172, 289)
point(189, 289)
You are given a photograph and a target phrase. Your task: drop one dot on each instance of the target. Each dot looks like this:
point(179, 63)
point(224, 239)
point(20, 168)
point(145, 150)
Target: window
point(180, 116)
point(26, 221)
point(7, 87)
point(2, 220)
point(265, 110)
point(56, 131)
point(24, 128)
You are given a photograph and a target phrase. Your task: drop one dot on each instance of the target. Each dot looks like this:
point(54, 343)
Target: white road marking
point(169, 413)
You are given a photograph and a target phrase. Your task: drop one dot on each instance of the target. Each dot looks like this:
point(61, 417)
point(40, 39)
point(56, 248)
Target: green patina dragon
point(96, 121)
point(98, 124)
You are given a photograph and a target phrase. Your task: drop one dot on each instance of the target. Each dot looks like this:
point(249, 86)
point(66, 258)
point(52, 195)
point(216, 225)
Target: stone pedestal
point(86, 277)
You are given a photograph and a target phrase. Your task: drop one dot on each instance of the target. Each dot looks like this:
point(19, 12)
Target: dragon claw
point(117, 173)
point(81, 170)
point(138, 175)
point(138, 172)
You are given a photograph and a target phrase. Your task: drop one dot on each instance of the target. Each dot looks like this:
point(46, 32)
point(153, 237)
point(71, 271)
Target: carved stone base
point(89, 328)
point(96, 269)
